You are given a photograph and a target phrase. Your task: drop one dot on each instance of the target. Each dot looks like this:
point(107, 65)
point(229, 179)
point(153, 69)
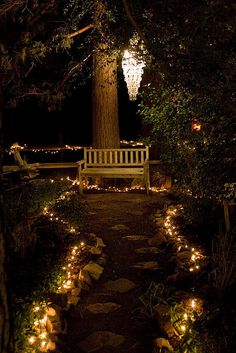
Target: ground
point(113, 217)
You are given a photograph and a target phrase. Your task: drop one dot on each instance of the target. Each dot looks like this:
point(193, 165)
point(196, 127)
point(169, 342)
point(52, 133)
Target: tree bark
point(106, 132)
point(105, 102)
point(6, 338)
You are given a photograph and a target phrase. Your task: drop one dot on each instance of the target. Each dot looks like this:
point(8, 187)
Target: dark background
point(34, 125)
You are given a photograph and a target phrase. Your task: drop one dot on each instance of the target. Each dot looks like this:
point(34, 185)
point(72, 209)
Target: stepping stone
point(94, 270)
point(148, 250)
point(136, 237)
point(119, 227)
point(103, 308)
point(121, 285)
point(149, 265)
point(95, 251)
point(100, 339)
point(157, 239)
point(100, 243)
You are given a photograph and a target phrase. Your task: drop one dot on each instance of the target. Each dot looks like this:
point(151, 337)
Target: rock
point(72, 299)
point(94, 270)
point(51, 346)
point(159, 222)
point(76, 292)
point(59, 300)
point(160, 343)
point(158, 239)
point(169, 329)
point(179, 276)
point(121, 285)
point(56, 327)
point(85, 277)
point(149, 265)
point(136, 237)
point(119, 227)
point(49, 326)
point(100, 339)
point(83, 285)
point(184, 255)
point(148, 250)
point(102, 260)
point(103, 308)
point(95, 251)
point(51, 311)
point(100, 243)
point(162, 310)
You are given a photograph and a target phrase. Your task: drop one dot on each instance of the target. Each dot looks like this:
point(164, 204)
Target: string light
point(57, 149)
point(195, 255)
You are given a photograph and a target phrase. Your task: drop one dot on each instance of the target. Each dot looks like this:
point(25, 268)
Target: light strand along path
point(106, 319)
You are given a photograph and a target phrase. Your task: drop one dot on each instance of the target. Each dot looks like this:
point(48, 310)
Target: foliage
point(41, 273)
point(72, 209)
point(24, 205)
point(24, 321)
point(199, 85)
point(201, 161)
point(223, 273)
point(154, 295)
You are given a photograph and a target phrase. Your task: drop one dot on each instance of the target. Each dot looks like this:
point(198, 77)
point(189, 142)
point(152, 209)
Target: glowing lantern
point(133, 70)
point(196, 125)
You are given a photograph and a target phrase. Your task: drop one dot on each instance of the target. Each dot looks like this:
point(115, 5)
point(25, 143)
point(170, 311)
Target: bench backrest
point(120, 157)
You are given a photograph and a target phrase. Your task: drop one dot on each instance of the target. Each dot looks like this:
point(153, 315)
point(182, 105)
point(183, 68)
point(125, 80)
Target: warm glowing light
point(43, 335)
point(133, 70)
point(32, 340)
point(196, 125)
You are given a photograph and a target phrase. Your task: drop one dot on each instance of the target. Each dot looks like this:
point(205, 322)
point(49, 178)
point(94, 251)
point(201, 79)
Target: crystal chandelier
point(133, 69)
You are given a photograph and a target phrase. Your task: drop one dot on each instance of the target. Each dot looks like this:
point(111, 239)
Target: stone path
point(104, 320)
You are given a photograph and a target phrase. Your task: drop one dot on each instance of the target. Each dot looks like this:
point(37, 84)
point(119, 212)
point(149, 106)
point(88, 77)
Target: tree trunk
point(105, 101)
point(5, 331)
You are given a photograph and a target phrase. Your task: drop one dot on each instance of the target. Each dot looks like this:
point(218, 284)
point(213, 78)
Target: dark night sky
point(29, 124)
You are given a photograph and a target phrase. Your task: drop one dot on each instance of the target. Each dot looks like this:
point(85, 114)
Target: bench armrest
point(79, 163)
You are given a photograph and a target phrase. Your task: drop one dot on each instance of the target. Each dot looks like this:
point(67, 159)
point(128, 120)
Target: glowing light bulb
point(32, 340)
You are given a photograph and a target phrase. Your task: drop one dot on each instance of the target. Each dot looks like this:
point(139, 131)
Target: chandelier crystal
point(133, 69)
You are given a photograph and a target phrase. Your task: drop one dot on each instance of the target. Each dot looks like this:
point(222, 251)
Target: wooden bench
point(114, 163)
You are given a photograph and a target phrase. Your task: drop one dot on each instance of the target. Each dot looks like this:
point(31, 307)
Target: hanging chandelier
point(133, 69)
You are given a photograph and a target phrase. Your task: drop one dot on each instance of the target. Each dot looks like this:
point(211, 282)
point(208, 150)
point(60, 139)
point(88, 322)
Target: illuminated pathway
point(106, 318)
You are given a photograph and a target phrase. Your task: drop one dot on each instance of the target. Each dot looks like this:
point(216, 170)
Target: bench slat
point(116, 159)
point(121, 157)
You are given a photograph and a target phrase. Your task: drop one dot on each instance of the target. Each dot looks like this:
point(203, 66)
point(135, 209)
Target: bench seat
point(113, 172)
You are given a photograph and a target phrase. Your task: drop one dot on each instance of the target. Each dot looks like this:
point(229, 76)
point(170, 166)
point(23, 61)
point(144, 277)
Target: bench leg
point(80, 184)
point(147, 179)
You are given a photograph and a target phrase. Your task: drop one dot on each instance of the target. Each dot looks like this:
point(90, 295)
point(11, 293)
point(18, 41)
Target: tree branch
point(134, 23)
point(72, 71)
point(80, 31)
point(164, 68)
point(10, 5)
